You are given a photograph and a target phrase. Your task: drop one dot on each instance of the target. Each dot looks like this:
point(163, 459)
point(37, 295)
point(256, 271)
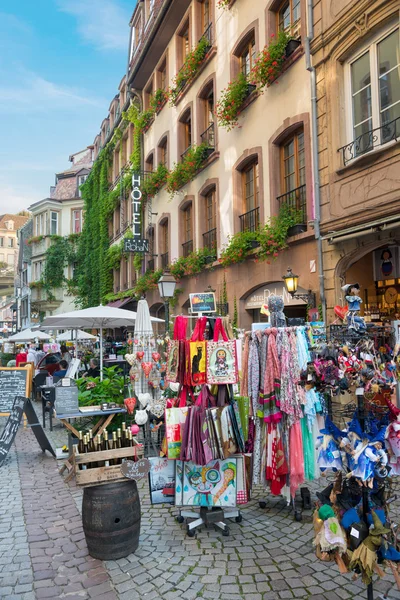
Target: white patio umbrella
point(98, 317)
point(27, 335)
point(79, 334)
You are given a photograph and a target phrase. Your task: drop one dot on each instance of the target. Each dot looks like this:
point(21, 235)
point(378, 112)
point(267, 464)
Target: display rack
point(209, 516)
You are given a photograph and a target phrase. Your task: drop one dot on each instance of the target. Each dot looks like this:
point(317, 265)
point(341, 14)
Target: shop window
point(250, 219)
point(185, 132)
point(293, 173)
point(288, 17)
point(164, 244)
point(163, 151)
point(187, 227)
point(374, 82)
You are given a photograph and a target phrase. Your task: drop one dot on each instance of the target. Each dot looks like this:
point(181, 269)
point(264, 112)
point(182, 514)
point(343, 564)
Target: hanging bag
point(175, 418)
point(197, 363)
point(221, 358)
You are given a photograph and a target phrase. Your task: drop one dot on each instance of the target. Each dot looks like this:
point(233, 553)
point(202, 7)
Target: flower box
point(292, 45)
point(297, 229)
point(255, 244)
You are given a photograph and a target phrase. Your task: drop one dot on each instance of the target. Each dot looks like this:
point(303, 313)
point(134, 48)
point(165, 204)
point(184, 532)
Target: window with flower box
point(185, 133)
point(187, 229)
point(288, 17)
point(183, 43)
point(162, 78)
point(247, 56)
point(163, 151)
point(293, 173)
point(164, 244)
point(250, 219)
point(206, 114)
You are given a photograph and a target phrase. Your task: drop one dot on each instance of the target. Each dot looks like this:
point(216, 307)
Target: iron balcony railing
point(208, 35)
point(164, 260)
point(370, 140)
point(187, 248)
point(296, 199)
point(185, 152)
point(250, 220)
point(210, 240)
point(208, 136)
point(150, 264)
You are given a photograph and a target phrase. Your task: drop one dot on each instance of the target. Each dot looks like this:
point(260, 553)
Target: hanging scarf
point(272, 381)
point(288, 401)
point(245, 363)
point(276, 468)
point(296, 459)
point(302, 348)
point(308, 451)
point(253, 387)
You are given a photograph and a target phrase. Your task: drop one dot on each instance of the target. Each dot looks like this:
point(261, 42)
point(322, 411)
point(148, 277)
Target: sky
point(61, 62)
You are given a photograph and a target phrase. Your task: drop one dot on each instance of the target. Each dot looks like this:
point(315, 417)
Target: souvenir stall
point(207, 434)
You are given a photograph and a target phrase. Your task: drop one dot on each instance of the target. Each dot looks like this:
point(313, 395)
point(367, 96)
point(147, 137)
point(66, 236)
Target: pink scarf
point(272, 381)
point(296, 459)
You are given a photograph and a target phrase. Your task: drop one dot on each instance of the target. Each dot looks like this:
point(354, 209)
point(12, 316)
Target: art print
point(214, 484)
point(221, 363)
point(162, 480)
point(173, 361)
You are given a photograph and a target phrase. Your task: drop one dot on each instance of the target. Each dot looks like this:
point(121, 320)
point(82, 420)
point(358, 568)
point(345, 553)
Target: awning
point(119, 303)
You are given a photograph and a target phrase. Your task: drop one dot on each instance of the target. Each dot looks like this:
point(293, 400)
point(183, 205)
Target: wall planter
point(251, 88)
point(270, 61)
point(255, 244)
point(297, 229)
point(292, 45)
point(229, 106)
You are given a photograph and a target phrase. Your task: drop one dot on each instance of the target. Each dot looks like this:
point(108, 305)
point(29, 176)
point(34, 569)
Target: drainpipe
point(315, 156)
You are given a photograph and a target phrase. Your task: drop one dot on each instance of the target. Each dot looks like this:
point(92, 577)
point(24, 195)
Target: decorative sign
point(162, 480)
point(136, 470)
point(13, 382)
point(259, 298)
point(200, 303)
point(387, 264)
point(66, 402)
point(137, 243)
point(11, 427)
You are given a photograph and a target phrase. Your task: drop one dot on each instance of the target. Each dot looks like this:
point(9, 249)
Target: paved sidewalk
point(43, 552)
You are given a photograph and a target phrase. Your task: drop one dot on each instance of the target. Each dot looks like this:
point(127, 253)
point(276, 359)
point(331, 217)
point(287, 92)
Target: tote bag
point(175, 418)
point(221, 358)
point(197, 354)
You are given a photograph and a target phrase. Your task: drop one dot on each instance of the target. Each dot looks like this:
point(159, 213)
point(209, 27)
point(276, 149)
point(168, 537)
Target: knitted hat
point(326, 512)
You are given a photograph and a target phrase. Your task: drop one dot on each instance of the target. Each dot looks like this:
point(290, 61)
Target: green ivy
point(155, 181)
point(192, 264)
point(185, 171)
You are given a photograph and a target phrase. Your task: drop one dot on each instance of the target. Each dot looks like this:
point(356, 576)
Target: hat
point(348, 286)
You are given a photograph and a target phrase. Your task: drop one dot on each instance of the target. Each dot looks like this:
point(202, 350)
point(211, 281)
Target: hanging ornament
point(130, 359)
point(155, 378)
point(134, 371)
point(136, 341)
point(141, 417)
point(130, 404)
point(140, 355)
point(144, 399)
point(341, 311)
point(147, 366)
point(156, 356)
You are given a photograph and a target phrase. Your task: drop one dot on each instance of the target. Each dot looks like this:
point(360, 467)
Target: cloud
point(102, 23)
point(16, 197)
point(32, 93)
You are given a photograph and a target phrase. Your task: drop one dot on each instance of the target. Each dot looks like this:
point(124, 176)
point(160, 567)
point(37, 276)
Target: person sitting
point(21, 357)
point(93, 370)
point(63, 371)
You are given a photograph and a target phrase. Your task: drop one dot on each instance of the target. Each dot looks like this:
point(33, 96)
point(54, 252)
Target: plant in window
point(192, 264)
point(223, 3)
point(228, 108)
point(269, 62)
point(155, 181)
point(184, 171)
point(189, 69)
point(35, 239)
point(158, 100)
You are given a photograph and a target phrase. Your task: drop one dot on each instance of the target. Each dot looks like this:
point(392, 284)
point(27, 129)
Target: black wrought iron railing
point(185, 152)
point(210, 240)
point(164, 260)
point(187, 248)
point(208, 136)
point(150, 264)
point(208, 34)
point(296, 199)
point(250, 220)
point(368, 141)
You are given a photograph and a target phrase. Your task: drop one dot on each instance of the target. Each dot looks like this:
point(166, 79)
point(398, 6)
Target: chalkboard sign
point(13, 382)
point(136, 470)
point(66, 402)
point(37, 428)
point(10, 430)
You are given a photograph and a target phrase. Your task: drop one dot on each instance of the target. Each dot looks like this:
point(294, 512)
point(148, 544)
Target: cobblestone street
point(43, 550)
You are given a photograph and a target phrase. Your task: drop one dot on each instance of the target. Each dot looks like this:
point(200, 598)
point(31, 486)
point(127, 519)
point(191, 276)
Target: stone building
point(356, 54)
point(247, 173)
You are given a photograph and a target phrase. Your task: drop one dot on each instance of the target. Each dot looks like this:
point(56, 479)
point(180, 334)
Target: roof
point(18, 220)
point(83, 163)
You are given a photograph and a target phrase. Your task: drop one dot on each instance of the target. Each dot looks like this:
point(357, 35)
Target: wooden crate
point(102, 475)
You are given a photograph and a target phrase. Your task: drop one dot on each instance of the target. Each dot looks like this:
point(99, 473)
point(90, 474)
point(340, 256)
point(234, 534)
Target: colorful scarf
point(296, 458)
point(272, 381)
point(245, 362)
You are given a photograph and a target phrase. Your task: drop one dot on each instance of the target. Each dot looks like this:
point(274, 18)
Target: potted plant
point(228, 107)
point(269, 62)
point(297, 229)
point(189, 69)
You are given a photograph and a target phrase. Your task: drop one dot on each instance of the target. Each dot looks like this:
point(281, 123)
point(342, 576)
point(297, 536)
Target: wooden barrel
point(111, 519)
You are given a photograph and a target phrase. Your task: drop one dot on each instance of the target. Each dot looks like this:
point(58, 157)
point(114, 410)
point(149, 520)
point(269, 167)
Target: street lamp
point(166, 287)
point(291, 282)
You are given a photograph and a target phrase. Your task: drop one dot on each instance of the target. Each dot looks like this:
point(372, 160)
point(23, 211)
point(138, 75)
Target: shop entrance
point(256, 302)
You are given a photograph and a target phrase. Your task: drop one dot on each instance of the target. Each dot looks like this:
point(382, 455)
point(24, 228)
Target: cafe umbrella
point(97, 317)
point(78, 335)
point(27, 335)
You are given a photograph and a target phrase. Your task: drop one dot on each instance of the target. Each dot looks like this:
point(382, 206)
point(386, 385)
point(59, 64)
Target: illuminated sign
point(137, 243)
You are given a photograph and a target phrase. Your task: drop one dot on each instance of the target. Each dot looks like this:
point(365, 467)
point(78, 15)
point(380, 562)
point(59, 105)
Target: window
point(293, 167)
point(288, 16)
point(81, 181)
point(1, 242)
point(249, 220)
point(76, 221)
point(150, 163)
point(164, 244)
point(210, 237)
point(162, 75)
point(187, 213)
point(148, 94)
point(163, 147)
point(205, 16)
point(11, 242)
point(10, 260)
point(207, 116)
point(183, 44)
point(53, 223)
point(185, 132)
point(247, 56)
point(375, 93)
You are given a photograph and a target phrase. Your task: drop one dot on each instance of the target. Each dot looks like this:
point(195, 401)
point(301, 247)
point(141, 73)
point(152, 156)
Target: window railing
point(210, 240)
point(150, 264)
point(250, 220)
point(164, 260)
point(187, 248)
point(371, 139)
point(296, 199)
point(208, 136)
point(208, 34)
point(185, 152)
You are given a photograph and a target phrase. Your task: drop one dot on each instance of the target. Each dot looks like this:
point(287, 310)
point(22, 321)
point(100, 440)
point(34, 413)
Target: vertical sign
point(137, 243)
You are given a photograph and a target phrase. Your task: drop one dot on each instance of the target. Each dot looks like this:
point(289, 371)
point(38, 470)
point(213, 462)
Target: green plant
point(5, 357)
point(36, 285)
point(137, 262)
point(269, 62)
point(154, 182)
point(228, 108)
point(189, 68)
point(184, 171)
point(235, 314)
point(158, 100)
point(192, 264)
point(147, 282)
point(223, 3)
point(93, 391)
point(114, 255)
point(35, 239)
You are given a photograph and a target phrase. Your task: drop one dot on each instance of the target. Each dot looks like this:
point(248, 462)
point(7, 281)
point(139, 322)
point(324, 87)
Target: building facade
point(245, 174)
point(356, 54)
point(25, 317)
point(57, 220)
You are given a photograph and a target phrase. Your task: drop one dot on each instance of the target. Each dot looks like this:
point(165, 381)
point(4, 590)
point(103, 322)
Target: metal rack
point(208, 516)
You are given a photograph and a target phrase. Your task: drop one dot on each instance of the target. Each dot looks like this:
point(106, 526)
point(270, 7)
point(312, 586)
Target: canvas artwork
point(161, 480)
point(173, 360)
point(221, 362)
point(214, 484)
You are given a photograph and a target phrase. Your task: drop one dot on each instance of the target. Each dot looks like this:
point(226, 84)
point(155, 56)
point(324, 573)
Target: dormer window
point(81, 181)
point(9, 224)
